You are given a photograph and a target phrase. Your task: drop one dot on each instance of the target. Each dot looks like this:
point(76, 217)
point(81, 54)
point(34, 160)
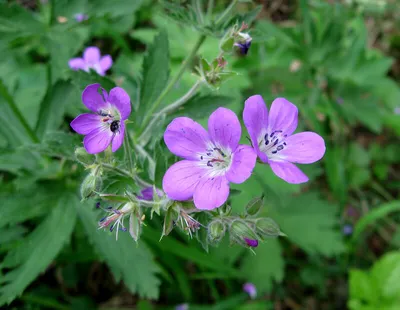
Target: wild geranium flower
point(105, 125)
point(273, 139)
point(80, 17)
point(92, 60)
point(250, 289)
point(243, 43)
point(211, 159)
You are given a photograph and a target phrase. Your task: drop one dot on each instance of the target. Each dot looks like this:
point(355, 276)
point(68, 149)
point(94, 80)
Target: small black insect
point(114, 126)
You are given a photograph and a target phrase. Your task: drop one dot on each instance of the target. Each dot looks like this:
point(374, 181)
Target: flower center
point(272, 143)
point(216, 159)
point(111, 118)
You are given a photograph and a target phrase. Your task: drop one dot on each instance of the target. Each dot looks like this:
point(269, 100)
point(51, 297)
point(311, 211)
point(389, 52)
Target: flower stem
point(170, 108)
point(210, 8)
point(172, 82)
point(128, 149)
point(116, 169)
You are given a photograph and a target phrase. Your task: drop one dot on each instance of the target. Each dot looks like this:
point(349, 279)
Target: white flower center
point(217, 160)
point(110, 118)
point(271, 143)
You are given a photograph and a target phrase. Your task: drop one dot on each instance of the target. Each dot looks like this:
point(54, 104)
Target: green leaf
point(39, 249)
point(266, 267)
point(200, 107)
point(118, 7)
point(386, 274)
point(52, 107)
point(20, 206)
point(56, 144)
point(133, 264)
point(14, 126)
point(374, 215)
point(310, 222)
point(155, 73)
point(361, 286)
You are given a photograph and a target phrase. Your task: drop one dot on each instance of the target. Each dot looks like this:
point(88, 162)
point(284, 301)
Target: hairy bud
point(88, 186)
point(135, 225)
point(243, 234)
point(266, 227)
point(84, 157)
point(254, 206)
point(171, 216)
point(216, 230)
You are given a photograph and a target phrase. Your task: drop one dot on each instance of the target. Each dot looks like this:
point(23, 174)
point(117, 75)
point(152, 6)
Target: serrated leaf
point(311, 223)
point(52, 107)
point(266, 267)
point(155, 73)
point(56, 144)
point(39, 249)
point(133, 264)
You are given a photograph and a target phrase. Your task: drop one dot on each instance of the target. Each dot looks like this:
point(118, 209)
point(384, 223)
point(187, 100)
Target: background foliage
point(338, 61)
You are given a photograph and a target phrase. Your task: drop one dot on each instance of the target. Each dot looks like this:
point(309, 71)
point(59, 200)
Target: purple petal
point(250, 289)
point(76, 64)
point(211, 193)
point(92, 99)
point(85, 123)
point(288, 172)
point(119, 98)
point(98, 140)
point(181, 178)
point(80, 17)
point(106, 63)
point(251, 242)
point(243, 163)
point(147, 193)
point(186, 138)
point(119, 137)
point(303, 148)
point(224, 128)
point(91, 55)
point(255, 117)
point(282, 116)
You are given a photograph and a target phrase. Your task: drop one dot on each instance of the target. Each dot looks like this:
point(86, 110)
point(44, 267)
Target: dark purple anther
point(98, 205)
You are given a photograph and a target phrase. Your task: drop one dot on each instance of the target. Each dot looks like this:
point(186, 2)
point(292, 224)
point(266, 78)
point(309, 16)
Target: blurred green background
point(338, 61)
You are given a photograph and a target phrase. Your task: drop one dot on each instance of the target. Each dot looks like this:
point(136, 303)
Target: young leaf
point(155, 73)
point(39, 249)
point(133, 264)
point(52, 108)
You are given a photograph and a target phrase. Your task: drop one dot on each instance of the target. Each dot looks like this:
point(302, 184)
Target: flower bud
point(254, 205)
point(88, 186)
point(266, 227)
point(171, 216)
point(84, 157)
point(216, 230)
point(242, 233)
point(135, 225)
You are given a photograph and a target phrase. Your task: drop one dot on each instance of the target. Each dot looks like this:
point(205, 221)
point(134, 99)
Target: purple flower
point(272, 139)
point(92, 60)
point(243, 43)
point(211, 159)
point(182, 307)
point(347, 229)
point(80, 17)
point(397, 110)
point(250, 289)
point(147, 193)
point(251, 243)
point(106, 125)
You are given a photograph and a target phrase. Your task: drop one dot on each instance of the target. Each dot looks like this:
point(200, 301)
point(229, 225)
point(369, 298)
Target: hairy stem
point(173, 81)
point(226, 12)
point(170, 108)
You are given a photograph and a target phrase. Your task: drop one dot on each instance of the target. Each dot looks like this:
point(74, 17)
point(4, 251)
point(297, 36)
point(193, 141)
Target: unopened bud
point(135, 225)
point(88, 186)
point(216, 230)
point(254, 206)
point(84, 157)
point(241, 232)
point(171, 216)
point(267, 227)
